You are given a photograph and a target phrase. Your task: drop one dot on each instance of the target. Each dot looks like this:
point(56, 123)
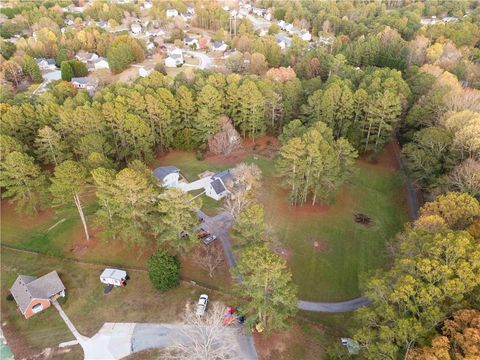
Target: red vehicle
point(229, 316)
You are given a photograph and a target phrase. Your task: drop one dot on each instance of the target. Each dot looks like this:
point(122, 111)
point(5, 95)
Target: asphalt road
point(205, 60)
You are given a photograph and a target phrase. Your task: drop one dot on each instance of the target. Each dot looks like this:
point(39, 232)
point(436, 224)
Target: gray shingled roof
point(217, 185)
point(163, 171)
point(26, 288)
point(225, 175)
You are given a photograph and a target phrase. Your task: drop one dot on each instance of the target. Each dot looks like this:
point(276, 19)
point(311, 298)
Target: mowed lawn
point(85, 304)
point(326, 250)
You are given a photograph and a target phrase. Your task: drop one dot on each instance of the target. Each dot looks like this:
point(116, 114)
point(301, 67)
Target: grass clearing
point(328, 251)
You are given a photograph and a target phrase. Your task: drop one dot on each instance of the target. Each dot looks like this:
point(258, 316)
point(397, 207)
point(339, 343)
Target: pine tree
point(209, 109)
point(251, 106)
point(250, 225)
point(68, 182)
point(178, 219)
point(267, 283)
point(23, 182)
point(67, 71)
point(31, 69)
point(50, 147)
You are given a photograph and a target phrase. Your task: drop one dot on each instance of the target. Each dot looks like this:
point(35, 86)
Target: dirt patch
point(8, 212)
point(319, 245)
point(291, 344)
point(266, 146)
point(387, 159)
point(231, 159)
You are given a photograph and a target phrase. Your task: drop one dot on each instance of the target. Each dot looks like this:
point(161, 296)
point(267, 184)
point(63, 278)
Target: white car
point(202, 304)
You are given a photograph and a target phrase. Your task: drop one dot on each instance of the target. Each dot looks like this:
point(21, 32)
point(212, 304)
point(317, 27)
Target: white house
point(190, 11)
point(168, 175)
point(289, 28)
point(136, 28)
point(145, 71)
point(283, 41)
point(85, 83)
point(114, 277)
point(150, 46)
point(171, 13)
point(258, 11)
point(217, 189)
point(268, 16)
point(147, 5)
point(46, 64)
point(219, 46)
point(262, 32)
point(305, 35)
point(86, 57)
point(192, 42)
point(100, 63)
point(175, 58)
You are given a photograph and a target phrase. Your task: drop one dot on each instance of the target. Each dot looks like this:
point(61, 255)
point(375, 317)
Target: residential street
point(205, 60)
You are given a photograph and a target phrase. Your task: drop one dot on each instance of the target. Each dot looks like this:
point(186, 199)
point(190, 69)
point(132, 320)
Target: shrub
point(164, 270)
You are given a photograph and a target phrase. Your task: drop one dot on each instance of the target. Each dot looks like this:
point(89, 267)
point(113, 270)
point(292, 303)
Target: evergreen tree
point(178, 219)
point(250, 225)
point(23, 182)
point(68, 182)
point(31, 69)
point(67, 71)
point(164, 270)
point(50, 147)
point(251, 105)
point(267, 283)
point(209, 108)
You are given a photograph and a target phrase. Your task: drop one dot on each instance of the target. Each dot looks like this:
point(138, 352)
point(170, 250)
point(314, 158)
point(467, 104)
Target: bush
point(164, 270)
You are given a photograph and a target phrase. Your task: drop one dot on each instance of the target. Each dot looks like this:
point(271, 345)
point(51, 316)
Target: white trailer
point(114, 277)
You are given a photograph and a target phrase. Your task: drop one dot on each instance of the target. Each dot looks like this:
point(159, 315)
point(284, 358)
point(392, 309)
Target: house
point(46, 64)
point(171, 13)
point(217, 189)
point(323, 40)
point(262, 32)
point(175, 59)
point(429, 21)
point(100, 63)
point(168, 175)
point(268, 16)
point(289, 28)
point(155, 32)
point(86, 57)
point(219, 46)
point(85, 83)
point(190, 11)
point(305, 35)
point(145, 71)
point(147, 5)
point(258, 11)
point(136, 28)
point(150, 46)
point(192, 42)
point(283, 41)
point(449, 19)
point(34, 295)
point(282, 24)
point(114, 277)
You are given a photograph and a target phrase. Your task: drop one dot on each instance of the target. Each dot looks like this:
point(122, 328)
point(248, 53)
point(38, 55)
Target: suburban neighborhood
point(240, 179)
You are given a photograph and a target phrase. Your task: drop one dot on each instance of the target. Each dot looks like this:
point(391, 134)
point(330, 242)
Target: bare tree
point(227, 140)
point(209, 258)
point(246, 180)
point(466, 177)
point(206, 337)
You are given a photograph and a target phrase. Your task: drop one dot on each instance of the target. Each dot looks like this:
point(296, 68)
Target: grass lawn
point(85, 304)
point(326, 250)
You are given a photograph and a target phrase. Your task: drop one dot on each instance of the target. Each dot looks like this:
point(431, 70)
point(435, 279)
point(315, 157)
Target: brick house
point(34, 295)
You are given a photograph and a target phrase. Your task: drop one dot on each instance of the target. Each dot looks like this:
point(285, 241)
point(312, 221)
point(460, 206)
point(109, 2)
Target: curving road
point(205, 60)
point(220, 226)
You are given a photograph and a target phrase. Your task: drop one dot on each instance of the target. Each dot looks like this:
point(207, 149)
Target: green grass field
point(326, 250)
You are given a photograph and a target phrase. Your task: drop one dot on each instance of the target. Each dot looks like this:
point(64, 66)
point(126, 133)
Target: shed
point(114, 277)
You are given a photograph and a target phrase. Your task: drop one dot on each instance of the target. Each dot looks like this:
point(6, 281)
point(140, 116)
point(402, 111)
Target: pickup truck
point(202, 305)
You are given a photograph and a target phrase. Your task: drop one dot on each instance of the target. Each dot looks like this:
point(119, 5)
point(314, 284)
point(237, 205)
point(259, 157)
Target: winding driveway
point(205, 60)
point(220, 226)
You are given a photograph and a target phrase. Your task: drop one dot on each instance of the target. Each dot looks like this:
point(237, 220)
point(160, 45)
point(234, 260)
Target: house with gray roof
point(34, 295)
point(168, 175)
point(217, 188)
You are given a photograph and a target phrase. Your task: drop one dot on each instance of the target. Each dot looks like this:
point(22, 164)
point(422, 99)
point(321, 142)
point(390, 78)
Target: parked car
point(209, 239)
point(202, 304)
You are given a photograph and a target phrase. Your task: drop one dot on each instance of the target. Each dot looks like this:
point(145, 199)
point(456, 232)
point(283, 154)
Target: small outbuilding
point(34, 295)
point(114, 277)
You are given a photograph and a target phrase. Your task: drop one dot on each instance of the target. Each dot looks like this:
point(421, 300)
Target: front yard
point(85, 304)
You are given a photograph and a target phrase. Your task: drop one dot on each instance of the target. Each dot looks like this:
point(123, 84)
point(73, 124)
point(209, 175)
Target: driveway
point(117, 340)
point(220, 226)
point(205, 60)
